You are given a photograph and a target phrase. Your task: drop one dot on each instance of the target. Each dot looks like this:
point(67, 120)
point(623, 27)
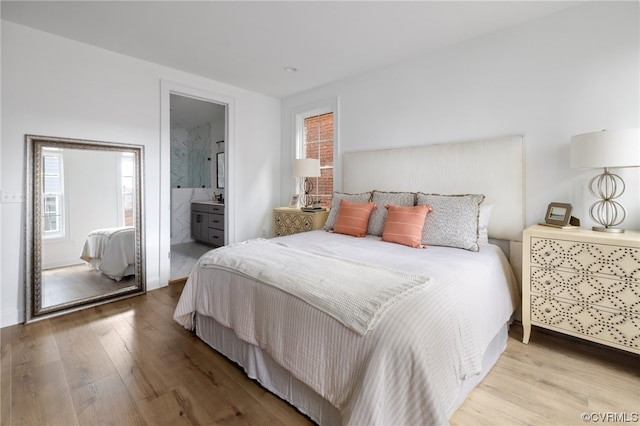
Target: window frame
point(61, 233)
point(300, 114)
point(120, 178)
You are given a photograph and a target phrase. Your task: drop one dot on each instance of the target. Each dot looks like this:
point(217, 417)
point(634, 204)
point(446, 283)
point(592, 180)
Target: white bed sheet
point(111, 251)
point(407, 370)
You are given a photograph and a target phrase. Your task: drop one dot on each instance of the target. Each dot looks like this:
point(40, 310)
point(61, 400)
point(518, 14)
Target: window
point(126, 183)
point(318, 143)
point(53, 194)
point(316, 135)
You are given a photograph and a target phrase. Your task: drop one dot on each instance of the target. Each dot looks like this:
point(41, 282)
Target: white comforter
point(111, 251)
point(405, 371)
point(320, 280)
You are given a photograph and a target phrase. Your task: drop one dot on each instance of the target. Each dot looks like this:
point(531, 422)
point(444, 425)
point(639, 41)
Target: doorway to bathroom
point(197, 175)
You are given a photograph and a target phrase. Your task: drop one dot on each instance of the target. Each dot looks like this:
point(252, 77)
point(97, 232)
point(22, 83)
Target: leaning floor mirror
point(84, 229)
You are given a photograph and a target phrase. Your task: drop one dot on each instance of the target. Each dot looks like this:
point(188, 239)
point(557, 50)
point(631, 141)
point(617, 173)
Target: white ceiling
point(249, 43)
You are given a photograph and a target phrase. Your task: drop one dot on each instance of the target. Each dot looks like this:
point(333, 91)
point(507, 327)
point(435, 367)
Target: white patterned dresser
point(582, 283)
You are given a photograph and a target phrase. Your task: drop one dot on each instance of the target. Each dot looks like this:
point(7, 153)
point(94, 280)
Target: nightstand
point(287, 220)
point(582, 283)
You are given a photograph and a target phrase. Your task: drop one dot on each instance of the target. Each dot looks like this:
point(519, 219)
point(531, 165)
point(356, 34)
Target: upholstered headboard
point(493, 167)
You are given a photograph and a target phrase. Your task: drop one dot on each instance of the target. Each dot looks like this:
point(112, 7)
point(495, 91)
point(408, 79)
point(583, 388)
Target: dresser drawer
point(614, 260)
point(281, 231)
point(598, 324)
point(198, 207)
point(297, 222)
point(216, 237)
point(216, 208)
point(216, 221)
point(622, 295)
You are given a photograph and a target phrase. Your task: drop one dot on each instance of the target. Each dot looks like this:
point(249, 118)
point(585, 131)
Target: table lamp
point(305, 168)
point(606, 149)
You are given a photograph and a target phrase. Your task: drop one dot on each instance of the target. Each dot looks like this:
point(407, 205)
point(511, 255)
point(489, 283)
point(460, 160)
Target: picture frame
point(293, 201)
point(558, 214)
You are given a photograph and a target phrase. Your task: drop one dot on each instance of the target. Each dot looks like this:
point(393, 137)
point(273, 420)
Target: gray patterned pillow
point(453, 221)
point(379, 215)
point(365, 197)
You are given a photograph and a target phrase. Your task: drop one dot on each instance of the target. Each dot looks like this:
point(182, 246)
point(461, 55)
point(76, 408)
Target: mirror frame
point(33, 235)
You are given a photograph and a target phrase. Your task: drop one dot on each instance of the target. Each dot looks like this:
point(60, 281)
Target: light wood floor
point(129, 363)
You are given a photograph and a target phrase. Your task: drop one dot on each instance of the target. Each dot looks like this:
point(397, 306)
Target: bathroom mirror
point(84, 230)
point(220, 169)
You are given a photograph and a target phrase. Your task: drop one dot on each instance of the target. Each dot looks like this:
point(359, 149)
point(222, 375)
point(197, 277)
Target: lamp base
point(610, 230)
point(607, 211)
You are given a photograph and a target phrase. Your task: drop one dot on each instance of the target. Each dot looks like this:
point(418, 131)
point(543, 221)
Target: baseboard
point(12, 318)
point(178, 281)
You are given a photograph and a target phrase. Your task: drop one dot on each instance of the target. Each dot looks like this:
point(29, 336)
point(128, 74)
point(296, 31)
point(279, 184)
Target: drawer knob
point(547, 310)
point(546, 253)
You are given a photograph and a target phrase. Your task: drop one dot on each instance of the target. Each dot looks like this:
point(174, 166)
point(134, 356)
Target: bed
point(111, 251)
point(424, 347)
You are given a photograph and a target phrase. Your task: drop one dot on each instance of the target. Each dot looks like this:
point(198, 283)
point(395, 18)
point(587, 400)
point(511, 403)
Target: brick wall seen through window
point(318, 143)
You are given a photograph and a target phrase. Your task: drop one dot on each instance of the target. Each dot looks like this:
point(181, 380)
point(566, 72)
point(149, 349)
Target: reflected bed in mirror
point(84, 233)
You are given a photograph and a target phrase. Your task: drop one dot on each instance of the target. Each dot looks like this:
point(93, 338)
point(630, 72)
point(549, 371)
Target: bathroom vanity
point(207, 223)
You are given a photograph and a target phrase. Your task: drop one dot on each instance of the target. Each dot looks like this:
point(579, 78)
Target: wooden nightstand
point(583, 283)
point(287, 220)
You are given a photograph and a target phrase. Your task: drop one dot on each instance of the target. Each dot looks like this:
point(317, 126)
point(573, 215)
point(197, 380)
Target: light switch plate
point(11, 197)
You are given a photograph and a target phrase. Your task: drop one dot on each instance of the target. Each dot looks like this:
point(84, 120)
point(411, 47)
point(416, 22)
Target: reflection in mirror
point(84, 232)
point(220, 169)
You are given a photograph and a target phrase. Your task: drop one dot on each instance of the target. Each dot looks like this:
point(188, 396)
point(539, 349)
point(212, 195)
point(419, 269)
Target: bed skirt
point(261, 367)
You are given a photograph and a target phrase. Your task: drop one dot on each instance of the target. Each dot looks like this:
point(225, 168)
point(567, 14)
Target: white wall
point(57, 87)
point(569, 73)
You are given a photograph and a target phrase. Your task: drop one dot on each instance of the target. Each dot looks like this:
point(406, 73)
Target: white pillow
point(483, 222)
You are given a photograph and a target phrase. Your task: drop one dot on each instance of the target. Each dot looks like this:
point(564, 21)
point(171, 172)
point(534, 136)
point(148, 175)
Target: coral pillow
point(353, 218)
point(404, 225)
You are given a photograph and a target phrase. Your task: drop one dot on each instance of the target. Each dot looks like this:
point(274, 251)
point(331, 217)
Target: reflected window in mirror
point(127, 185)
point(53, 217)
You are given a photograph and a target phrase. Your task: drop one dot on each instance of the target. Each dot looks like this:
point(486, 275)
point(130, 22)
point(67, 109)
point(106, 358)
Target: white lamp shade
point(608, 148)
point(306, 167)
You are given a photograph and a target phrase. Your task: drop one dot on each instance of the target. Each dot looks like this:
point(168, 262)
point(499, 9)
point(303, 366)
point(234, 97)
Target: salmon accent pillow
point(404, 225)
point(364, 197)
point(353, 218)
point(382, 198)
